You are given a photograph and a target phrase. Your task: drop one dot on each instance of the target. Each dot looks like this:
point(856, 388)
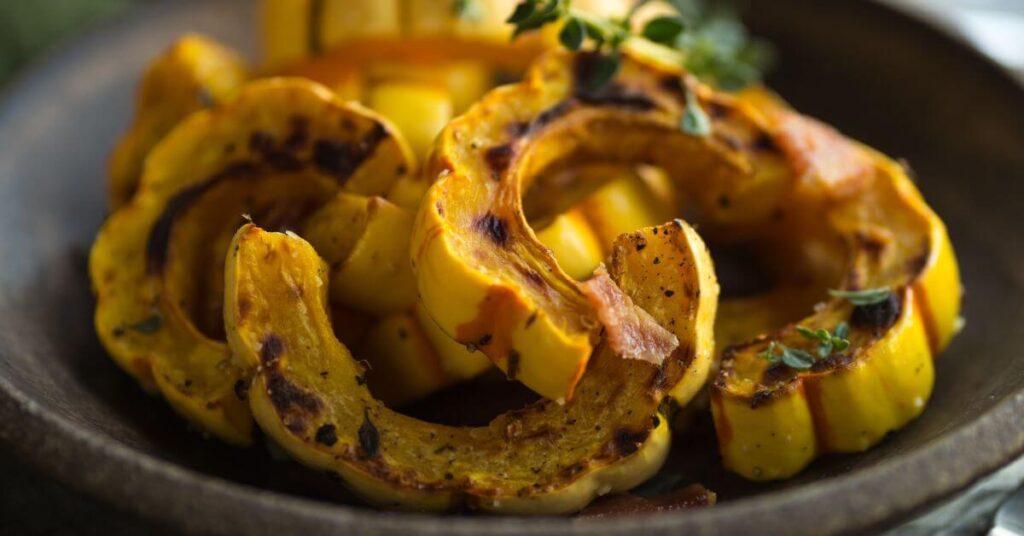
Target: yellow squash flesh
point(482, 273)
point(290, 141)
point(772, 421)
point(365, 241)
point(194, 73)
point(339, 32)
point(546, 458)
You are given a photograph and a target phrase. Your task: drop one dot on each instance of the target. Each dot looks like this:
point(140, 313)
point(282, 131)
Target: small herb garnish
point(869, 296)
point(714, 43)
point(791, 357)
point(664, 29)
point(828, 342)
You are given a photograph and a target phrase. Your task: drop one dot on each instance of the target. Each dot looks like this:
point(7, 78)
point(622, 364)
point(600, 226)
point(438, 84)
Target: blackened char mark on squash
point(626, 442)
point(761, 397)
point(547, 116)
point(242, 389)
point(674, 85)
point(326, 435)
point(299, 136)
point(512, 365)
point(493, 228)
point(517, 129)
point(499, 158)
point(617, 96)
point(369, 436)
point(160, 233)
point(295, 405)
point(271, 349)
point(341, 159)
point(279, 158)
point(764, 142)
point(878, 317)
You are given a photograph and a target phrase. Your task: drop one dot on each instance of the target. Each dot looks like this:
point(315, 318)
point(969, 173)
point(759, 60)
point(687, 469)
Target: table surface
point(34, 504)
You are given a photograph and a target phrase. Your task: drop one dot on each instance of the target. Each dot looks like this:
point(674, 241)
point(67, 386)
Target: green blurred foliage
point(28, 27)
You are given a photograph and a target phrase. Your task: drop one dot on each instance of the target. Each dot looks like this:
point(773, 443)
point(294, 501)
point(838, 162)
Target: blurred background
point(27, 27)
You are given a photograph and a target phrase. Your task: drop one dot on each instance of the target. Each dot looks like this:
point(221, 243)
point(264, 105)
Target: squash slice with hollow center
point(481, 271)
point(193, 74)
point(290, 140)
point(546, 458)
point(772, 418)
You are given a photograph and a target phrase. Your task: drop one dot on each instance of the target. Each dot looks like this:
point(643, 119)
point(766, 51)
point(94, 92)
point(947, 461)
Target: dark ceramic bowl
point(878, 75)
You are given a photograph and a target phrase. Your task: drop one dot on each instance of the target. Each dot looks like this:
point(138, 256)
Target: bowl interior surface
point(875, 74)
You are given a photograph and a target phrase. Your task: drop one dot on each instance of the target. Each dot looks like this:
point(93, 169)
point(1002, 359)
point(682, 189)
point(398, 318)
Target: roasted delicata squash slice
point(772, 419)
point(194, 73)
point(481, 271)
point(821, 209)
point(308, 392)
point(280, 146)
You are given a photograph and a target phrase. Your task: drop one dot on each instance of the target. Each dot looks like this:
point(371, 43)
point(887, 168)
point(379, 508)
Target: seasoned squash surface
point(290, 143)
point(308, 392)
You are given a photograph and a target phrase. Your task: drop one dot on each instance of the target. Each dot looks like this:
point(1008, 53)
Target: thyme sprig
point(828, 342)
point(869, 296)
point(836, 340)
point(792, 357)
point(715, 45)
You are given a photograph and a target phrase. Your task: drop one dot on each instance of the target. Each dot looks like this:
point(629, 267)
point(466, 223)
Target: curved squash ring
point(136, 259)
point(194, 73)
point(771, 421)
point(483, 275)
point(546, 458)
point(763, 173)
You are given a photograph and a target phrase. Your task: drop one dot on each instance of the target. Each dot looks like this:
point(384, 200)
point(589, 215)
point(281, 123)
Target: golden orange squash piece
point(482, 273)
point(308, 392)
point(194, 73)
point(293, 144)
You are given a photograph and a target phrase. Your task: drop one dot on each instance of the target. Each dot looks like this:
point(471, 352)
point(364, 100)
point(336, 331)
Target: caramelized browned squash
point(281, 144)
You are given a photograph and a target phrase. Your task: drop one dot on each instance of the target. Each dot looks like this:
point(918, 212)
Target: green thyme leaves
point(828, 342)
point(533, 14)
point(870, 296)
point(573, 34)
point(601, 68)
point(714, 43)
point(791, 357)
point(837, 340)
point(664, 30)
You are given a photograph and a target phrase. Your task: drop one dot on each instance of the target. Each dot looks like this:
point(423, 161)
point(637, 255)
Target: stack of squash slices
point(279, 256)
